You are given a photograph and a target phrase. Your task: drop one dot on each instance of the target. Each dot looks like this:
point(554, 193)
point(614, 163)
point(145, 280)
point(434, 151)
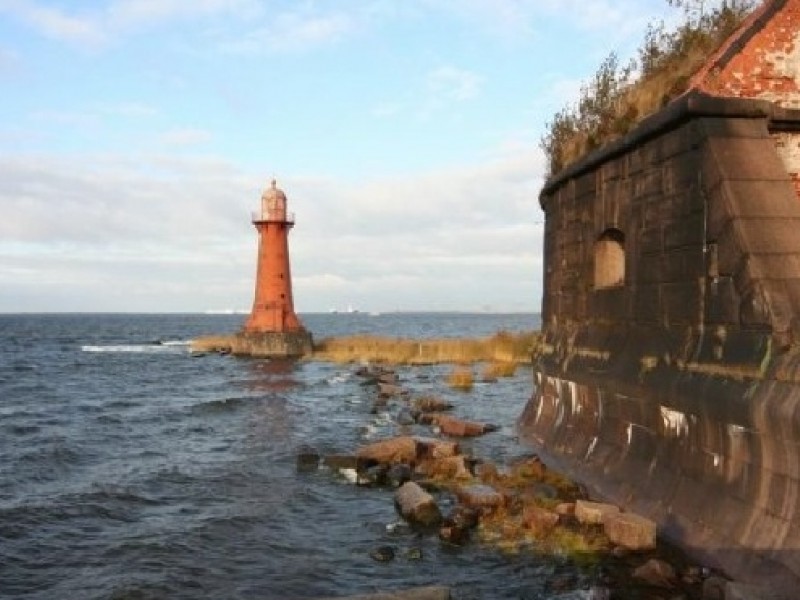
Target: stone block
point(680, 173)
point(648, 183)
point(651, 238)
point(649, 269)
point(539, 520)
point(585, 185)
point(434, 448)
point(676, 142)
point(771, 266)
point(449, 467)
point(688, 231)
point(455, 427)
point(566, 509)
point(630, 530)
point(730, 200)
point(416, 505)
point(657, 573)
point(401, 449)
point(647, 304)
point(742, 159)
point(683, 264)
point(716, 127)
point(593, 513)
point(480, 496)
point(722, 302)
point(610, 170)
point(681, 302)
point(635, 161)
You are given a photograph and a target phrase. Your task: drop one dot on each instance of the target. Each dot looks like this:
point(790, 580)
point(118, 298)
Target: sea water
point(131, 469)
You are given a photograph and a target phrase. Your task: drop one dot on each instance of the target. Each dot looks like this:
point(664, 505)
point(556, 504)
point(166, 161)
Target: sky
point(138, 135)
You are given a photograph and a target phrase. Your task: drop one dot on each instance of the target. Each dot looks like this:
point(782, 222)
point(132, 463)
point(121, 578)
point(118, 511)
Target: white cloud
point(185, 137)
point(450, 84)
point(294, 31)
point(55, 23)
point(102, 23)
point(178, 232)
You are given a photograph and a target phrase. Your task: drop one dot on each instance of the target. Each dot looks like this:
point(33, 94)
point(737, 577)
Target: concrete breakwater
point(501, 347)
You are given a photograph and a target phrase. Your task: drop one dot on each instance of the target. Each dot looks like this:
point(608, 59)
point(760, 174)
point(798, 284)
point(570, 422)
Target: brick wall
point(762, 61)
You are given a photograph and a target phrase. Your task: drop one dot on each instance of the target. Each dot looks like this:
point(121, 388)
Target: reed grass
point(502, 347)
point(495, 370)
point(461, 378)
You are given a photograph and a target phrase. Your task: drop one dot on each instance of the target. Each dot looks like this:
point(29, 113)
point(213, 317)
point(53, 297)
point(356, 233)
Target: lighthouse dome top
point(273, 192)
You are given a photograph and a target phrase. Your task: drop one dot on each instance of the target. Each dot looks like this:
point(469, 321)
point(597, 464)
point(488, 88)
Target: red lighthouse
point(273, 324)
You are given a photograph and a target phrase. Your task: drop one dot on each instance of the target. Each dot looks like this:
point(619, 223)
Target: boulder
point(482, 497)
point(307, 459)
point(630, 530)
point(382, 553)
point(539, 520)
point(459, 427)
point(593, 513)
point(531, 467)
point(433, 448)
point(404, 416)
point(714, 588)
point(450, 467)
point(388, 377)
point(657, 573)
point(453, 534)
point(398, 474)
point(389, 389)
point(428, 404)
point(416, 505)
point(487, 472)
point(464, 517)
point(566, 509)
point(395, 450)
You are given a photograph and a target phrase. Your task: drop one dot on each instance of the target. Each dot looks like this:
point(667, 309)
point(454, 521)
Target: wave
point(161, 347)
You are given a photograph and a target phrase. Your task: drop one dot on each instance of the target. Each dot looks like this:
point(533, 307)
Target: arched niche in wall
point(609, 260)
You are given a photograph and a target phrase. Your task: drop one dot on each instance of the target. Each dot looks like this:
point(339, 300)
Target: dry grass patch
point(496, 370)
point(502, 347)
point(461, 378)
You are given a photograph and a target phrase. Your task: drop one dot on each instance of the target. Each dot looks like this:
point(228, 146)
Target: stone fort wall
point(669, 376)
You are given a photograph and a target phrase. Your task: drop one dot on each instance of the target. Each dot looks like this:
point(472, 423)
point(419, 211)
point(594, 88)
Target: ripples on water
point(132, 470)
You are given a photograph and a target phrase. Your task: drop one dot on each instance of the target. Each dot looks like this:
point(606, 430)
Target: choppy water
point(129, 469)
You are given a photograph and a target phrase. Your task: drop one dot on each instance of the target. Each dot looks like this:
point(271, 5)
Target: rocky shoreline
point(439, 489)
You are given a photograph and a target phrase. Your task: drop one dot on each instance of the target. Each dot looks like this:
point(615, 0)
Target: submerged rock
point(307, 458)
point(416, 505)
point(382, 553)
point(657, 573)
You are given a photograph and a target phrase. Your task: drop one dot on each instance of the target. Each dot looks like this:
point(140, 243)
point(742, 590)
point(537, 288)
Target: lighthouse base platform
point(273, 344)
point(258, 344)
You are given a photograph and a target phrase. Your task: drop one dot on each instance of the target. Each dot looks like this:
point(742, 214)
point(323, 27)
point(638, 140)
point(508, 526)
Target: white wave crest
point(134, 348)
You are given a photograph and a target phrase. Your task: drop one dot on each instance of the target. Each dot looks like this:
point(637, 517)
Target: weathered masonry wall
point(669, 378)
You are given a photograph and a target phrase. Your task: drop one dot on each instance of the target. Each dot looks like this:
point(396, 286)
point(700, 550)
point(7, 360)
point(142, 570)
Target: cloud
point(55, 23)
point(97, 27)
point(293, 31)
point(177, 231)
point(450, 84)
point(185, 137)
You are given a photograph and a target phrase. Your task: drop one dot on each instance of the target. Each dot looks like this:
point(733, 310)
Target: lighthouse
point(273, 328)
